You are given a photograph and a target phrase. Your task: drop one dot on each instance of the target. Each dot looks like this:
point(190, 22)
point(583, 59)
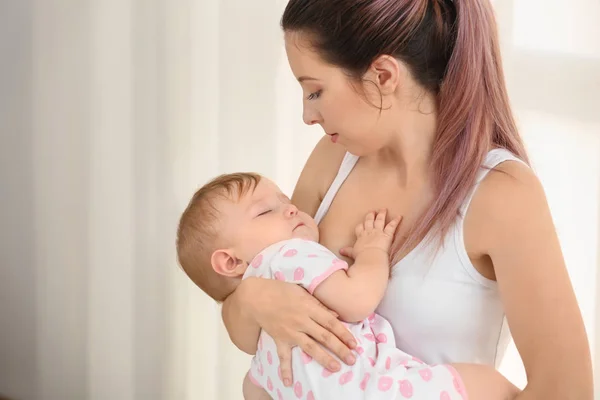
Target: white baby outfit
point(381, 371)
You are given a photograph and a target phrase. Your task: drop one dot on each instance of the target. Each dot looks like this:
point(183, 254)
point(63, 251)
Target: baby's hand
point(373, 233)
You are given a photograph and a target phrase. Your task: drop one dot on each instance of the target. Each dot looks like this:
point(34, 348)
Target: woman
point(411, 95)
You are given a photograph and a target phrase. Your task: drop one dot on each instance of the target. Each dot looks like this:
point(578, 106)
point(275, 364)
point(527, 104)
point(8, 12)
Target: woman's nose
point(310, 116)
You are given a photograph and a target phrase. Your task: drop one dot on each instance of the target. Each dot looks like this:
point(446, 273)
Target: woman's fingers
point(335, 326)
point(334, 335)
point(319, 354)
point(284, 352)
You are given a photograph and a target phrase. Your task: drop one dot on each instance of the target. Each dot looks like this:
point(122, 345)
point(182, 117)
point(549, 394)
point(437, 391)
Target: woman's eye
point(314, 95)
point(264, 212)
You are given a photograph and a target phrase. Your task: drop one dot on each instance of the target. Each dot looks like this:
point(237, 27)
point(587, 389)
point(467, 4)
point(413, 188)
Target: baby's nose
point(291, 210)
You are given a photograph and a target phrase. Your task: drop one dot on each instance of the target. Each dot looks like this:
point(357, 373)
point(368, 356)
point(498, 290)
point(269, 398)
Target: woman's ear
point(225, 263)
point(387, 73)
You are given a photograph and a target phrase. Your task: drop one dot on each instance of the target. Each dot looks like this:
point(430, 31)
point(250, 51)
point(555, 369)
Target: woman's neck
point(410, 145)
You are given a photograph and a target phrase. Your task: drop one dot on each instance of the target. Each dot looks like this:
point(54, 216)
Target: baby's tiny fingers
point(347, 252)
point(380, 219)
point(359, 230)
point(391, 227)
point(369, 220)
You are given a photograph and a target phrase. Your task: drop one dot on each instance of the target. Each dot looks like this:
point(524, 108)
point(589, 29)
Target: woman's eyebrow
point(306, 78)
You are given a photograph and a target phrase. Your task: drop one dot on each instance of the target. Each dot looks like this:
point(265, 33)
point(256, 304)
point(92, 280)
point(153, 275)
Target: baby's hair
point(198, 232)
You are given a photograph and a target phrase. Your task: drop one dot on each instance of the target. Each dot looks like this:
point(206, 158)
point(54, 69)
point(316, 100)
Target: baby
point(241, 225)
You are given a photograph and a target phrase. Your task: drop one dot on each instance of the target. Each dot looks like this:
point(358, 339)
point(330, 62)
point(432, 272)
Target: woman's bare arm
point(538, 297)
point(240, 324)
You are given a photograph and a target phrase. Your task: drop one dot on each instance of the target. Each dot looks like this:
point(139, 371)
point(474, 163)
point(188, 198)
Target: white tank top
point(441, 308)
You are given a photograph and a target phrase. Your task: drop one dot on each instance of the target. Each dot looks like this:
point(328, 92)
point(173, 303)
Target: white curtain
point(112, 112)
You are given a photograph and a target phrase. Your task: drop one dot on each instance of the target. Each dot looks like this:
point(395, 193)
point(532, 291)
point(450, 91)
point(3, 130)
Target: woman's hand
point(292, 317)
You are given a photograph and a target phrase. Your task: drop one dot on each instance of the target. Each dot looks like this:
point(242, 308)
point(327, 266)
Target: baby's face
point(263, 217)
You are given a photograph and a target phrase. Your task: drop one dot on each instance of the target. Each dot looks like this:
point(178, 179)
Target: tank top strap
point(492, 159)
point(348, 163)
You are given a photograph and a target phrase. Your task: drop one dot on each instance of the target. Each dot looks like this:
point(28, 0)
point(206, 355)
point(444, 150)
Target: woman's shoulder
point(317, 175)
point(509, 193)
point(506, 183)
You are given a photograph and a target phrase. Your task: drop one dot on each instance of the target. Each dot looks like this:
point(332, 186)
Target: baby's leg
point(485, 383)
point(253, 392)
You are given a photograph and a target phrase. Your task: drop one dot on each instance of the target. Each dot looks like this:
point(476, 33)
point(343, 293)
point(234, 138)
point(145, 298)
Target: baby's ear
point(224, 262)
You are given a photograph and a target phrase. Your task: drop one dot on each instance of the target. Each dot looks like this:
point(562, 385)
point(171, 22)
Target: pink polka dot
point(372, 362)
point(298, 389)
point(388, 363)
point(372, 318)
point(269, 384)
point(369, 337)
point(310, 396)
point(312, 256)
point(279, 395)
point(346, 377)
point(306, 358)
point(290, 253)
point(406, 388)
point(365, 381)
point(298, 274)
point(279, 373)
point(444, 396)
point(385, 383)
point(381, 338)
point(279, 276)
point(257, 261)
point(360, 350)
point(269, 358)
point(426, 374)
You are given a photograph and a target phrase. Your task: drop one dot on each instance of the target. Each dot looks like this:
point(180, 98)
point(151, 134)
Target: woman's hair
point(451, 49)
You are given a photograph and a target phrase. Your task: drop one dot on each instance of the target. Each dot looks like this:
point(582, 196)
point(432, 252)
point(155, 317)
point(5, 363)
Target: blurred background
point(112, 112)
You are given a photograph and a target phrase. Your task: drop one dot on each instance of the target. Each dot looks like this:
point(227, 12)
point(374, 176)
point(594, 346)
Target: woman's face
point(348, 111)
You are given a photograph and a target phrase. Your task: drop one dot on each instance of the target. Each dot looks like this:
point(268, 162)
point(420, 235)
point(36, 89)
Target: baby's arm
point(355, 293)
